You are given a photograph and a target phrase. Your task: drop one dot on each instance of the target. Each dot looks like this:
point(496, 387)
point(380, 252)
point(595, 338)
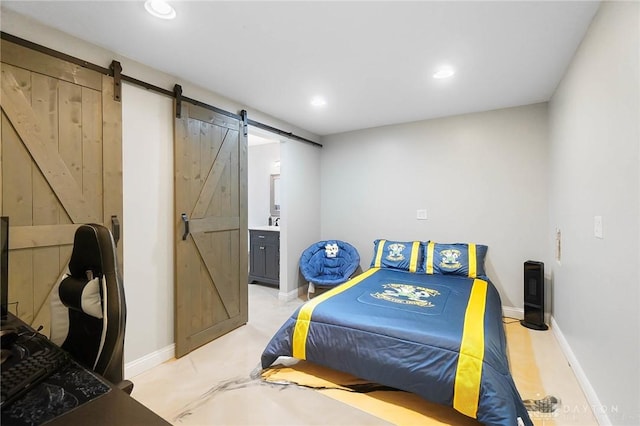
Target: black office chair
point(93, 294)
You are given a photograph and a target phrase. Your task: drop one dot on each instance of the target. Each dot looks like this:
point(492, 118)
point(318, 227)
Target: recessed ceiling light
point(318, 101)
point(160, 9)
point(444, 72)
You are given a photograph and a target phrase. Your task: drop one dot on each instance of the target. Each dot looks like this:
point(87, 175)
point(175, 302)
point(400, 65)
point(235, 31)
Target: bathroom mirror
point(275, 195)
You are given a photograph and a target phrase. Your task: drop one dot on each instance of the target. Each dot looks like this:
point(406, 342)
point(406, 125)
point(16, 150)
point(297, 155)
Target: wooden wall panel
point(61, 165)
point(211, 288)
point(112, 161)
point(214, 186)
point(46, 207)
point(70, 122)
point(52, 164)
point(17, 198)
point(195, 133)
point(44, 64)
point(92, 151)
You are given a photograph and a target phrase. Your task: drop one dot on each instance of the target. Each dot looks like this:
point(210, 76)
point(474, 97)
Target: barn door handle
point(115, 228)
point(185, 220)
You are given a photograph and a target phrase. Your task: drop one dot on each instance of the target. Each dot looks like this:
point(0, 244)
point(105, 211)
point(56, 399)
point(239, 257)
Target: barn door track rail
point(115, 71)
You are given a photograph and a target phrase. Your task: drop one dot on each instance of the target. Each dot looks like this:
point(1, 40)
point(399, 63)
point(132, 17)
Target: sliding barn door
point(60, 166)
point(211, 202)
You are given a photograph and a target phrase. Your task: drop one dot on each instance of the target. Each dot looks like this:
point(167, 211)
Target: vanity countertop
point(265, 228)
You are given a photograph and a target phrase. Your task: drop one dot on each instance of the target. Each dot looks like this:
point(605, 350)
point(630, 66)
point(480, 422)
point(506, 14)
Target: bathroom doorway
point(284, 178)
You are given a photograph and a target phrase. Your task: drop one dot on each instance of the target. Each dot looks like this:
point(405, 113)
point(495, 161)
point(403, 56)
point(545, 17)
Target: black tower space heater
point(534, 295)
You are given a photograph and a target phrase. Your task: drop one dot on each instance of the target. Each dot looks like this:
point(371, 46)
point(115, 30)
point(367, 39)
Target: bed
point(409, 324)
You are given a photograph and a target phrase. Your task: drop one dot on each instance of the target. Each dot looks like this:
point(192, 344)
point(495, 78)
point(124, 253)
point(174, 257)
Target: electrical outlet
point(421, 214)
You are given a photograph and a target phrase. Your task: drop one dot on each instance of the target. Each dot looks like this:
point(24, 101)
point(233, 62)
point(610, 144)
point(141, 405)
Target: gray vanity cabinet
point(264, 252)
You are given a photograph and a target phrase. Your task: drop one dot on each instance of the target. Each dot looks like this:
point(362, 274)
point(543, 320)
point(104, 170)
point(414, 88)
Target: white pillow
point(90, 299)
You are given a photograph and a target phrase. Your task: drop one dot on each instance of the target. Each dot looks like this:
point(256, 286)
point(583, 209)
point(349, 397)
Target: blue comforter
point(439, 336)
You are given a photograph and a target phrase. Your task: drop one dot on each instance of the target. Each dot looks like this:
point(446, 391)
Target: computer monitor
point(4, 265)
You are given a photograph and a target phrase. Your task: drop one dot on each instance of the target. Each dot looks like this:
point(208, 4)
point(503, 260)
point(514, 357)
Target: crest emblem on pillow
point(395, 252)
point(331, 250)
point(450, 259)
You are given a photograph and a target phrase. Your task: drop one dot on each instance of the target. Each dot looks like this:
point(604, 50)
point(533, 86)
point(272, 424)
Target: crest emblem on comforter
point(407, 294)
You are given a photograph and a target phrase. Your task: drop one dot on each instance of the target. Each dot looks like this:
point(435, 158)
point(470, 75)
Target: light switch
point(597, 227)
point(421, 214)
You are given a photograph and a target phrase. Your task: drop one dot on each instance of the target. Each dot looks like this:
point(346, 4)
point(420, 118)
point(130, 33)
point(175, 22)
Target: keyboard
point(34, 358)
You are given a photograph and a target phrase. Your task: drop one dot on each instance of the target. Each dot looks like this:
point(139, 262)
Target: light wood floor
point(214, 385)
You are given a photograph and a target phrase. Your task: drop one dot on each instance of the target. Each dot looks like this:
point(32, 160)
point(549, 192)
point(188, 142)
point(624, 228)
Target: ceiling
point(372, 61)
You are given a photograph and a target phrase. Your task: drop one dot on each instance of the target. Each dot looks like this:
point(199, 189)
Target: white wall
point(261, 159)
point(481, 177)
point(300, 215)
point(594, 171)
point(147, 148)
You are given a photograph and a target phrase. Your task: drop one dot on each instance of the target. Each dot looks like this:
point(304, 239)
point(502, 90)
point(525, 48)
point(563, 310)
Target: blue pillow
point(402, 255)
point(459, 259)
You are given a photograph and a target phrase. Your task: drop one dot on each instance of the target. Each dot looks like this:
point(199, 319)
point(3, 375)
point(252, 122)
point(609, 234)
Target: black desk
point(112, 407)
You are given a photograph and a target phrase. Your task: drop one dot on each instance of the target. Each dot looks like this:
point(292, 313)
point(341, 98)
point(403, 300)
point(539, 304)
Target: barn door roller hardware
point(245, 122)
point(116, 70)
point(177, 93)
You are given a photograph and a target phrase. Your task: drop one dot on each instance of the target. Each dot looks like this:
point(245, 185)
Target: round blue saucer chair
point(328, 264)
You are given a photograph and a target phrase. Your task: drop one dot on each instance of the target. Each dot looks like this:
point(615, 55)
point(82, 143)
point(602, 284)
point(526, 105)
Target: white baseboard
point(147, 362)
point(517, 313)
point(293, 294)
point(590, 393)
